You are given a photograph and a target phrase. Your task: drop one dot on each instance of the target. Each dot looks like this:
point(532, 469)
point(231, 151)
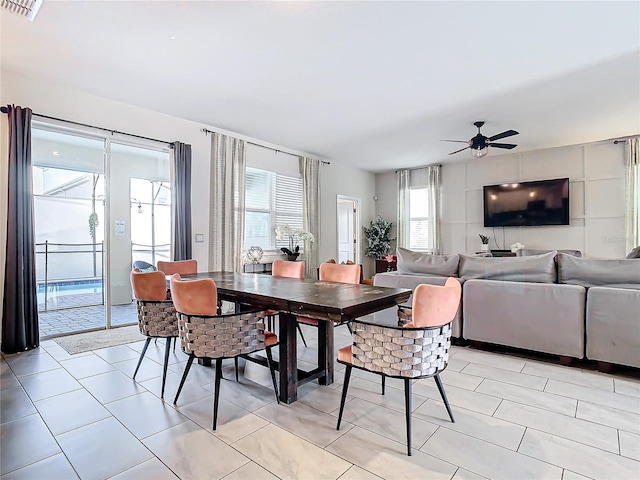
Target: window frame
point(274, 247)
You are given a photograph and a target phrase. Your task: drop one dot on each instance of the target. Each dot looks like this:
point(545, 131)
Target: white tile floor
point(82, 416)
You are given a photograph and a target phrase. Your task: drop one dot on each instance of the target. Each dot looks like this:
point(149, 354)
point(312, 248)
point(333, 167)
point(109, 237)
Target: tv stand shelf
point(502, 253)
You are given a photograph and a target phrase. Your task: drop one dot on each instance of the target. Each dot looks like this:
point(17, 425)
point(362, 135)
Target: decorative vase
point(484, 247)
point(292, 258)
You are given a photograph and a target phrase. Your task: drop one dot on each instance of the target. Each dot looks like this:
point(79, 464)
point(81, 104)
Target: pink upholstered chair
point(334, 272)
point(205, 334)
point(156, 313)
point(183, 267)
point(426, 340)
point(285, 268)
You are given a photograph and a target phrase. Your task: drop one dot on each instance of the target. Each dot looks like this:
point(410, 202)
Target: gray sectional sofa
point(552, 302)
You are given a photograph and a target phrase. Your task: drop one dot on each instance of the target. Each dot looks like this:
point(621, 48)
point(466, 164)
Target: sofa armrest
point(543, 317)
point(613, 325)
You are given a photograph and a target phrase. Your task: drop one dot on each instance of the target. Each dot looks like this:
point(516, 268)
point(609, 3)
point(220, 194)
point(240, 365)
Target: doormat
point(85, 342)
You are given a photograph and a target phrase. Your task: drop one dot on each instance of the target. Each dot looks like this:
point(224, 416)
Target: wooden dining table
point(328, 302)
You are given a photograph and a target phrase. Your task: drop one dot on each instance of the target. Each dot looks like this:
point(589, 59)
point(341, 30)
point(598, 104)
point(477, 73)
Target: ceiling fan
point(479, 144)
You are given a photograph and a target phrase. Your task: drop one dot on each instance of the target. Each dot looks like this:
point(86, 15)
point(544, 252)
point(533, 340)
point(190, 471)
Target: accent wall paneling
point(596, 174)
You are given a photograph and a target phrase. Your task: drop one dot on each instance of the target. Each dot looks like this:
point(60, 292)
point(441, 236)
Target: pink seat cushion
point(149, 286)
point(345, 355)
point(183, 267)
point(283, 268)
point(308, 321)
point(434, 305)
point(335, 272)
point(194, 297)
point(270, 339)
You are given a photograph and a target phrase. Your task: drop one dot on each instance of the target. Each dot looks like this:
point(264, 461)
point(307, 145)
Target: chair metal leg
point(349, 327)
point(407, 407)
point(175, 340)
point(216, 393)
point(383, 383)
point(273, 372)
point(167, 350)
point(235, 362)
point(301, 335)
point(444, 396)
point(144, 350)
point(184, 376)
point(345, 388)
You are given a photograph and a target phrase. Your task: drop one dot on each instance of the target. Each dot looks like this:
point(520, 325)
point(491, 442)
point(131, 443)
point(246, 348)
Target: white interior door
point(348, 221)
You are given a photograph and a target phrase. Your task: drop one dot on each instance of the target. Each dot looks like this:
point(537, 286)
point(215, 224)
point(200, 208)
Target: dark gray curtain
point(181, 193)
point(20, 308)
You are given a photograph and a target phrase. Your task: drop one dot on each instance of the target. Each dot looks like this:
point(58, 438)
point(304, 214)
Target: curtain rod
point(170, 144)
point(419, 168)
point(623, 139)
point(207, 132)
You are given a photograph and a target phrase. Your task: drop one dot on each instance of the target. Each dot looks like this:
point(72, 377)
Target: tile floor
point(82, 416)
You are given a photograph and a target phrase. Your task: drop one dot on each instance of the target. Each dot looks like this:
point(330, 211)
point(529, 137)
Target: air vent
point(24, 8)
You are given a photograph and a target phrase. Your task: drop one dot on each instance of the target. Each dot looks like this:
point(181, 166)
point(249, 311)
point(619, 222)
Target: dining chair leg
point(175, 340)
point(216, 392)
point(407, 407)
point(349, 327)
point(301, 335)
point(167, 350)
point(383, 383)
point(273, 372)
point(184, 376)
point(235, 363)
point(144, 350)
point(444, 396)
point(345, 388)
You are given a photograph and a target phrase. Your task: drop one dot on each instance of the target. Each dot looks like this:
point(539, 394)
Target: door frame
point(357, 225)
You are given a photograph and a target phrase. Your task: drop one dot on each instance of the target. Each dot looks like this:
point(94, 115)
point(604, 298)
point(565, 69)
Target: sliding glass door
point(69, 204)
point(140, 211)
point(99, 206)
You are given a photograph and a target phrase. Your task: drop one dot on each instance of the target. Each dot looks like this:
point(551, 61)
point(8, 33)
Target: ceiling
point(375, 85)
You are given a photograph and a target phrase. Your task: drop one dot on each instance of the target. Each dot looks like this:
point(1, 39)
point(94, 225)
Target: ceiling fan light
point(479, 152)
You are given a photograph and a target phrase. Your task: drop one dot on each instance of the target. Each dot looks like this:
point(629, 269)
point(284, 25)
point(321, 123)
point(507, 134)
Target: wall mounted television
point(543, 202)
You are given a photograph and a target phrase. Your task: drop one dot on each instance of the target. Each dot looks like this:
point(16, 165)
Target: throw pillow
point(533, 268)
point(598, 273)
point(419, 263)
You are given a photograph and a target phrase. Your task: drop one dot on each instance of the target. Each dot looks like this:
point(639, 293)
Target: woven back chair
point(334, 272)
point(419, 349)
point(156, 314)
point(205, 334)
point(182, 267)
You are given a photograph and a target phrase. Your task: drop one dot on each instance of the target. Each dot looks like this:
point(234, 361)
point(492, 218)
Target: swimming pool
point(90, 289)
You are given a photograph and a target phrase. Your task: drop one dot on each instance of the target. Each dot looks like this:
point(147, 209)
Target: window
point(419, 219)
point(271, 199)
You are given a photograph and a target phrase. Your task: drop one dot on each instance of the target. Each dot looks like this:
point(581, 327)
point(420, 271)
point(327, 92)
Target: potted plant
point(378, 236)
point(485, 242)
point(294, 237)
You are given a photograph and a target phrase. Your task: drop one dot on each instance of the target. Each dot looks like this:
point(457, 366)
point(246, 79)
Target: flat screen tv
point(544, 202)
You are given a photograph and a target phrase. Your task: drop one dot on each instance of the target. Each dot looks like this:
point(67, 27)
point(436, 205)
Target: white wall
point(596, 191)
point(337, 179)
point(56, 101)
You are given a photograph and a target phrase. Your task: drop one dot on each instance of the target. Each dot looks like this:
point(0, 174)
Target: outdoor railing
point(49, 249)
point(152, 253)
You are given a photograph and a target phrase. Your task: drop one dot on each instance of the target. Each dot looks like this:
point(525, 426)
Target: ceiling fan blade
point(508, 146)
point(457, 151)
point(457, 141)
point(508, 133)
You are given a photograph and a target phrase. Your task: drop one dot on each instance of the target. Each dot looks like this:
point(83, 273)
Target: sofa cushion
point(534, 268)
point(418, 263)
point(598, 273)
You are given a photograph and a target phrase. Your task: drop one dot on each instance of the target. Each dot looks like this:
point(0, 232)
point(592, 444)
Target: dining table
point(330, 303)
